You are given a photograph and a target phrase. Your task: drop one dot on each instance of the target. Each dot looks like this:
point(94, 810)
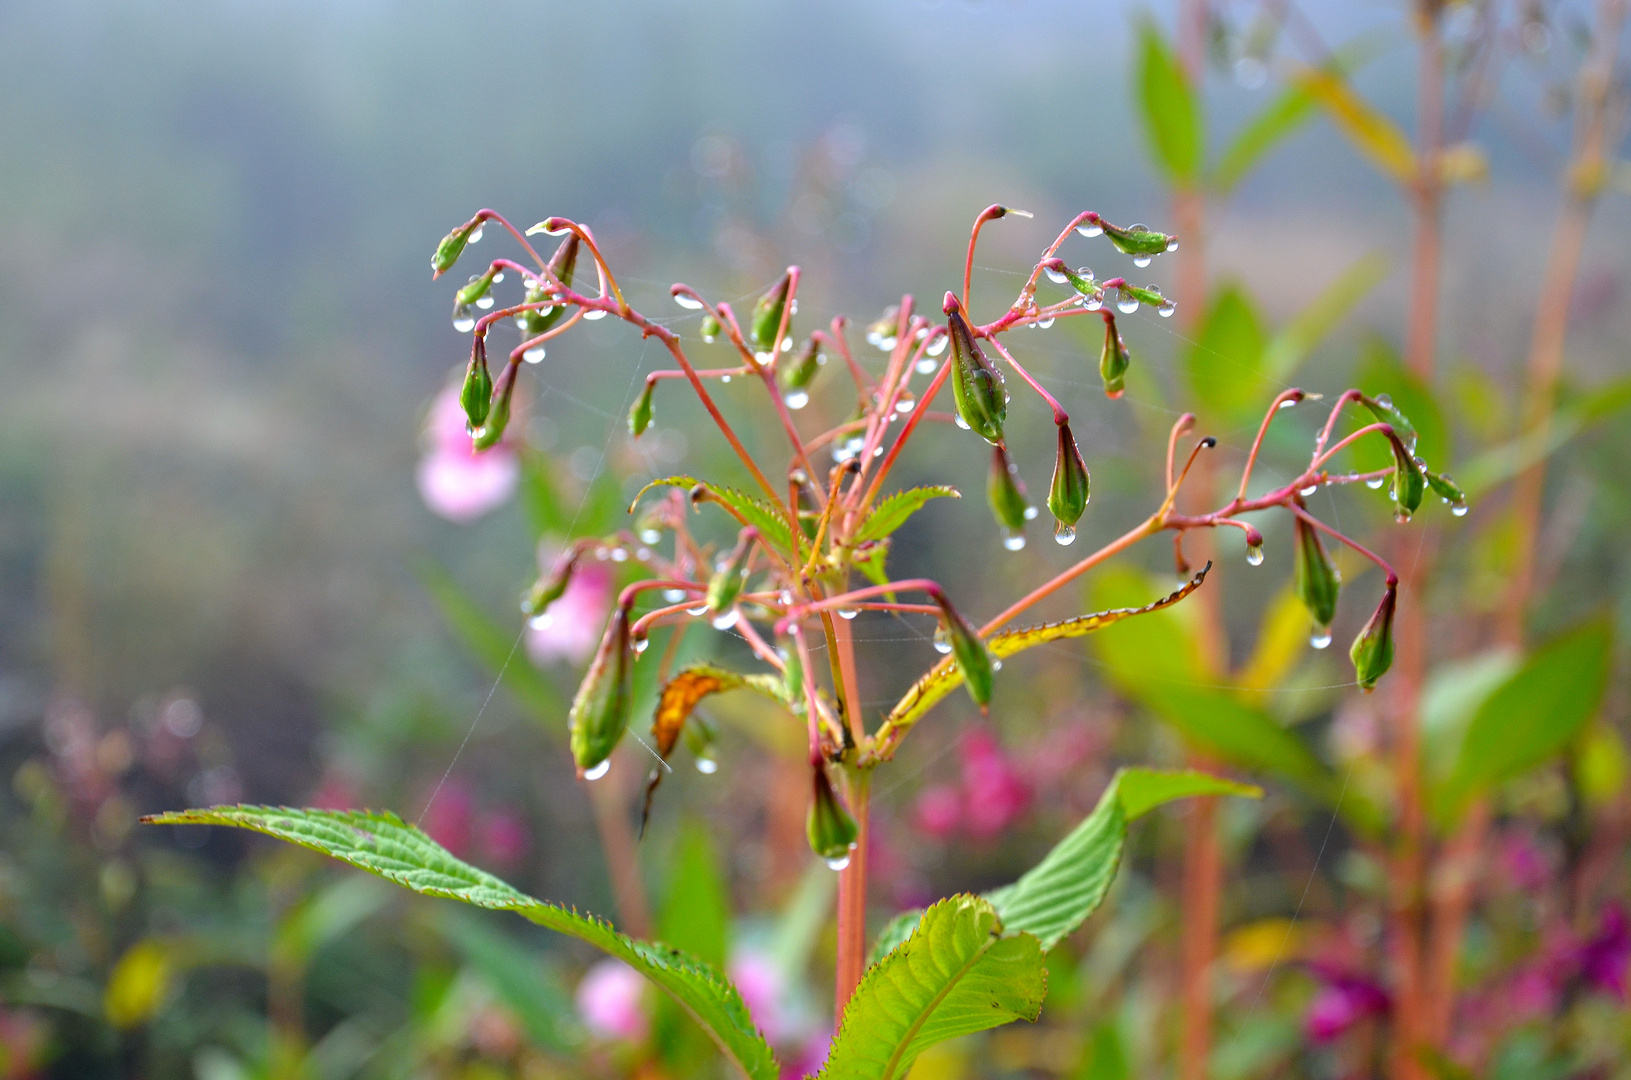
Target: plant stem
point(851, 957)
point(1422, 330)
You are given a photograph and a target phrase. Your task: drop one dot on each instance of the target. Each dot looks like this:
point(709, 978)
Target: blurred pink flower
point(504, 839)
point(939, 810)
point(572, 626)
point(1343, 1000)
point(996, 792)
point(760, 982)
point(447, 820)
point(1604, 957)
point(455, 481)
point(609, 1001)
point(1523, 861)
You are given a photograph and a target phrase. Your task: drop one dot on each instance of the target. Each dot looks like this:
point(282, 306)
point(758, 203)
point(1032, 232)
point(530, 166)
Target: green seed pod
point(476, 289)
point(796, 374)
point(1136, 239)
point(1114, 360)
point(831, 830)
point(1372, 650)
point(793, 677)
point(884, 328)
point(976, 384)
point(710, 328)
point(1068, 496)
point(1447, 490)
point(1384, 410)
point(1315, 577)
point(600, 711)
point(476, 394)
point(1409, 485)
point(1006, 493)
point(561, 265)
point(726, 584)
point(452, 246)
point(970, 654)
point(550, 587)
point(767, 316)
point(640, 411)
point(498, 416)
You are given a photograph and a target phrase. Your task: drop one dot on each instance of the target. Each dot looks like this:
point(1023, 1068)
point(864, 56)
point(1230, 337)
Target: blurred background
point(237, 565)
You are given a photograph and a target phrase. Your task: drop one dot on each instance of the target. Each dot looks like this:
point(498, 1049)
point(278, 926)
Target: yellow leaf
point(1371, 132)
point(1262, 944)
point(1463, 163)
point(1280, 642)
point(1600, 765)
point(138, 985)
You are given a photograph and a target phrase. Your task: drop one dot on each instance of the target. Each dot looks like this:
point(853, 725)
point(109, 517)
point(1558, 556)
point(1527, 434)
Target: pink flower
point(761, 985)
point(939, 810)
point(609, 1001)
point(503, 838)
point(1343, 1000)
point(572, 626)
point(455, 481)
point(996, 792)
point(447, 820)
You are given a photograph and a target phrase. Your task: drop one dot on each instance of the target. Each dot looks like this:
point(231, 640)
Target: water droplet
point(643, 554)
point(1094, 302)
point(906, 402)
point(592, 314)
point(1375, 482)
point(534, 355)
point(687, 301)
point(650, 536)
point(542, 621)
point(1043, 324)
point(598, 771)
point(1030, 513)
point(707, 766)
point(958, 417)
point(484, 301)
point(1127, 303)
point(497, 278)
point(1288, 403)
point(697, 612)
point(727, 619)
point(1309, 490)
point(1172, 243)
point(937, 346)
point(787, 343)
point(464, 320)
point(1401, 515)
point(674, 596)
point(1090, 229)
point(1384, 400)
point(1459, 508)
point(475, 235)
point(640, 645)
point(1056, 276)
point(724, 378)
point(1166, 309)
point(710, 338)
point(1013, 541)
point(1141, 261)
point(1064, 535)
point(603, 553)
point(847, 613)
point(887, 344)
point(942, 647)
point(619, 555)
point(838, 863)
point(1254, 554)
point(796, 399)
point(1321, 637)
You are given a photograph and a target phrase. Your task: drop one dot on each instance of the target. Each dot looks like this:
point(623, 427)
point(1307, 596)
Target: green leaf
point(1501, 463)
point(1172, 118)
point(1453, 694)
point(1381, 372)
point(893, 511)
point(1225, 362)
point(491, 643)
point(1298, 338)
point(521, 977)
point(384, 844)
point(955, 975)
point(1060, 892)
point(745, 508)
point(1257, 136)
point(1160, 647)
point(1533, 716)
point(696, 916)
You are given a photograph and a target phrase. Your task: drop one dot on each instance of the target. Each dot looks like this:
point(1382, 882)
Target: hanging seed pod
point(796, 374)
point(1372, 650)
point(498, 415)
point(562, 265)
point(1114, 360)
point(831, 830)
point(977, 385)
point(476, 395)
point(1447, 490)
point(710, 328)
point(1005, 491)
point(726, 584)
point(600, 711)
point(640, 411)
point(767, 316)
point(793, 677)
point(970, 654)
point(1136, 239)
point(550, 587)
point(1068, 496)
point(452, 246)
point(1409, 484)
point(476, 289)
point(1314, 577)
point(1384, 410)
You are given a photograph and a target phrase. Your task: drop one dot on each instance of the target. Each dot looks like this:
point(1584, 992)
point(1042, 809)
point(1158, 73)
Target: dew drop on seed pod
point(1093, 303)
point(796, 399)
point(1056, 276)
point(1254, 554)
point(958, 419)
point(674, 596)
point(598, 771)
point(1043, 324)
point(710, 338)
point(1090, 229)
point(926, 366)
point(707, 766)
point(1321, 637)
point(1013, 541)
point(475, 236)
point(906, 402)
point(541, 621)
point(1172, 244)
point(1064, 535)
point(687, 301)
point(1384, 400)
point(464, 320)
point(1309, 490)
point(1375, 482)
point(838, 863)
point(922, 332)
point(1459, 508)
point(594, 313)
point(650, 536)
point(1127, 304)
point(529, 282)
point(727, 619)
point(996, 665)
point(787, 343)
point(1288, 403)
point(935, 347)
point(484, 301)
point(1030, 513)
point(534, 355)
point(877, 451)
point(603, 553)
point(619, 555)
point(1166, 309)
point(1141, 261)
point(942, 647)
point(847, 613)
point(697, 612)
point(1401, 515)
point(640, 645)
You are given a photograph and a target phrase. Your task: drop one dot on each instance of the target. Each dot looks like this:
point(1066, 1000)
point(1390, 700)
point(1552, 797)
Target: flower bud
point(476, 289)
point(831, 830)
point(726, 584)
point(477, 393)
point(977, 385)
point(561, 265)
point(1315, 578)
point(797, 373)
point(498, 416)
point(1372, 650)
point(1114, 360)
point(452, 246)
point(1006, 493)
point(767, 316)
point(1136, 239)
point(1409, 485)
point(550, 587)
point(640, 411)
point(1068, 496)
point(970, 654)
point(600, 711)
point(1384, 410)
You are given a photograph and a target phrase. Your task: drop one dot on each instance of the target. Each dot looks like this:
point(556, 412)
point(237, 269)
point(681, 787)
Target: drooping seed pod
point(1005, 491)
point(1314, 576)
point(726, 584)
point(1448, 490)
point(476, 395)
point(562, 264)
point(1068, 495)
point(1372, 650)
point(710, 328)
point(476, 289)
point(795, 375)
point(793, 676)
point(550, 587)
point(1384, 410)
point(1408, 484)
point(640, 412)
point(767, 316)
point(498, 415)
point(1114, 360)
point(977, 386)
point(970, 654)
point(1136, 239)
point(452, 246)
point(831, 830)
point(600, 711)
